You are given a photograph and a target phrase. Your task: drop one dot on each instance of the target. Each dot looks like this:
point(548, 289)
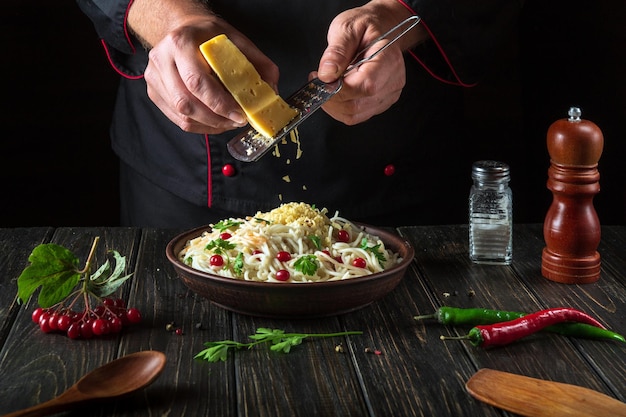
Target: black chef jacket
point(407, 160)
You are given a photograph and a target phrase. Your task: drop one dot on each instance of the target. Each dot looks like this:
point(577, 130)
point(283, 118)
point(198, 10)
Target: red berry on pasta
point(283, 256)
point(343, 236)
point(282, 275)
point(359, 263)
point(216, 260)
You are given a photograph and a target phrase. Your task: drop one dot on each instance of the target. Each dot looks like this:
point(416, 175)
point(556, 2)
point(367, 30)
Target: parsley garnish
point(238, 264)
point(226, 224)
point(306, 264)
point(279, 342)
point(261, 220)
point(219, 245)
point(316, 241)
point(374, 250)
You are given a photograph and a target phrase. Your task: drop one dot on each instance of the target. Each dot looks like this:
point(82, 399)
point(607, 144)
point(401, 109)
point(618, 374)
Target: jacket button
point(228, 170)
point(390, 170)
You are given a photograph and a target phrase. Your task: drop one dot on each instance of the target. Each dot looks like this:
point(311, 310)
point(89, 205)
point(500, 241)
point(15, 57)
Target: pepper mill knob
point(571, 228)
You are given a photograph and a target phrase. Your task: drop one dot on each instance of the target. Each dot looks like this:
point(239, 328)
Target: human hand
point(373, 87)
point(180, 81)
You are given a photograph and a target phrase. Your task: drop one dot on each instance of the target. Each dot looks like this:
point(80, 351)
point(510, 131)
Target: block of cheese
point(266, 111)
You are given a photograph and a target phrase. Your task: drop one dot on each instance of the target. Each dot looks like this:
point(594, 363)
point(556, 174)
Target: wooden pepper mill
point(572, 229)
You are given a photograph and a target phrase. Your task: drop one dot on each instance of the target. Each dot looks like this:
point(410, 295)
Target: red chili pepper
point(503, 333)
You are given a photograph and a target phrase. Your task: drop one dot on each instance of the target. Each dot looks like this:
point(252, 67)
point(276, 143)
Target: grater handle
point(413, 20)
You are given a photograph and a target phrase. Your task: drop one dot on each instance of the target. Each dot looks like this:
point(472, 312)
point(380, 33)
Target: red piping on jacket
point(126, 26)
point(209, 178)
point(127, 36)
point(137, 77)
point(441, 51)
point(119, 71)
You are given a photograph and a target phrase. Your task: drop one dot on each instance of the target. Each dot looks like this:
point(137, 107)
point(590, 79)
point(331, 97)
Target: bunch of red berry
point(106, 318)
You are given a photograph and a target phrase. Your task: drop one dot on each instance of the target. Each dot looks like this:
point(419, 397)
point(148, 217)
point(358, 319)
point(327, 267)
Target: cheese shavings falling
point(295, 138)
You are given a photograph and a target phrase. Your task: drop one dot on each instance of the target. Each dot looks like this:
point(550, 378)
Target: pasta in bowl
point(293, 261)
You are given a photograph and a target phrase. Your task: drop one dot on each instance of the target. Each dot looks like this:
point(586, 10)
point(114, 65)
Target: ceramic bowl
point(293, 300)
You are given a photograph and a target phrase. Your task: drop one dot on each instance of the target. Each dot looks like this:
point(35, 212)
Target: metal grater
point(250, 145)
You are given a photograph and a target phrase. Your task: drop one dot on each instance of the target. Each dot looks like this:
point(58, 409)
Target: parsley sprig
point(278, 340)
point(226, 224)
point(375, 250)
point(238, 264)
point(316, 241)
point(307, 264)
point(219, 246)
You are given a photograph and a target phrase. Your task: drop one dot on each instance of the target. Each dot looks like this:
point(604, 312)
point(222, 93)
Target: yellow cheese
point(266, 111)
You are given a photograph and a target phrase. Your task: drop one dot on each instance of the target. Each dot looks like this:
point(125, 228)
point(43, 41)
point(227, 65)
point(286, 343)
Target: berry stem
point(87, 267)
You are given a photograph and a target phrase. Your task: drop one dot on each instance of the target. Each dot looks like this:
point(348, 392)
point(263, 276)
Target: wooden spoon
point(533, 397)
point(121, 376)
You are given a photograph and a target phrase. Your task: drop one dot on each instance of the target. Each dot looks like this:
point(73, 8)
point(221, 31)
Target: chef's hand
point(179, 80)
point(376, 85)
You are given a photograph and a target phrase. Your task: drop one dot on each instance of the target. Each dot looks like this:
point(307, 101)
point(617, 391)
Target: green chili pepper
point(454, 316)
point(503, 333)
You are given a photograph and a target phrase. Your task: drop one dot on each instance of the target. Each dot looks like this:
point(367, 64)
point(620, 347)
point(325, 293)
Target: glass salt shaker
point(491, 214)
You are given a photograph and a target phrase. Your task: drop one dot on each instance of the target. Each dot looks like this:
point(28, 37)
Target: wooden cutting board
point(533, 397)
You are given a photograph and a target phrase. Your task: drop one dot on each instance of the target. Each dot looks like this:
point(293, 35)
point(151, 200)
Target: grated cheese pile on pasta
point(295, 242)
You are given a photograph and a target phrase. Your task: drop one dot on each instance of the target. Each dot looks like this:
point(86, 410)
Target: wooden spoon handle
point(533, 397)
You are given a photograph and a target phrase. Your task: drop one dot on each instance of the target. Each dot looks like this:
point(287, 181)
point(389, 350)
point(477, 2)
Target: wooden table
point(417, 374)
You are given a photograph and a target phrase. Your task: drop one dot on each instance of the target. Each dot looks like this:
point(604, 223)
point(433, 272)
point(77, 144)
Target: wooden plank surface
point(442, 255)
point(313, 379)
point(186, 387)
point(16, 246)
point(35, 366)
point(416, 374)
point(603, 299)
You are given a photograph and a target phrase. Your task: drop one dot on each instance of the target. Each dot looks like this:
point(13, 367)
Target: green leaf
point(375, 250)
point(102, 285)
point(238, 264)
point(316, 241)
point(283, 346)
point(263, 333)
point(54, 269)
point(57, 288)
point(120, 264)
point(226, 224)
point(306, 264)
point(109, 286)
point(286, 344)
point(105, 269)
point(215, 353)
point(219, 245)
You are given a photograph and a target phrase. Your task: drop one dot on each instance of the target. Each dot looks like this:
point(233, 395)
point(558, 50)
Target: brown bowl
point(292, 300)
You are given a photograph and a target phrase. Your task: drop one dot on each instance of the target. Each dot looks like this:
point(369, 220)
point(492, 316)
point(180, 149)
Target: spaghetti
point(295, 242)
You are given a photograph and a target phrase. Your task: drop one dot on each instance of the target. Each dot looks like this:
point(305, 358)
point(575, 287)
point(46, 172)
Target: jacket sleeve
point(467, 32)
point(123, 50)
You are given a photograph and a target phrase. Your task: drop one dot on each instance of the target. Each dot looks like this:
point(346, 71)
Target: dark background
point(57, 168)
